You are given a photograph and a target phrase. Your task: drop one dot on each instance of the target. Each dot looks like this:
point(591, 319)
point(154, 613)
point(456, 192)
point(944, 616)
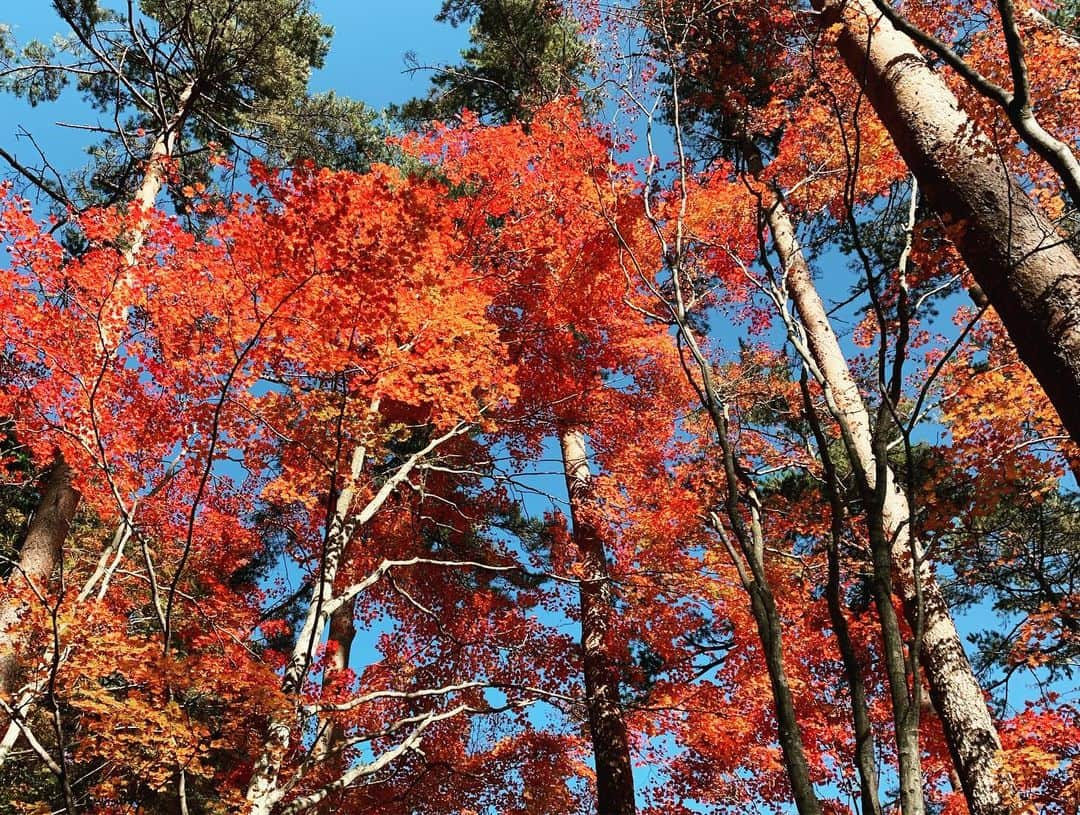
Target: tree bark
point(1017, 103)
point(342, 627)
point(904, 700)
point(1029, 275)
point(40, 553)
point(865, 752)
point(958, 698)
point(341, 633)
point(750, 565)
point(611, 750)
point(154, 175)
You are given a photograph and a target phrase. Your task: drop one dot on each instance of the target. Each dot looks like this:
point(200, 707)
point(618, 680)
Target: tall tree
point(174, 77)
point(177, 80)
point(562, 310)
point(1027, 271)
point(958, 697)
point(522, 54)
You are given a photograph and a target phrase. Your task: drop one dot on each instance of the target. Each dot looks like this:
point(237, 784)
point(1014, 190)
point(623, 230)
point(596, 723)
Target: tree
point(749, 127)
point(178, 80)
point(1027, 272)
point(174, 78)
point(568, 331)
point(543, 471)
point(220, 362)
point(523, 54)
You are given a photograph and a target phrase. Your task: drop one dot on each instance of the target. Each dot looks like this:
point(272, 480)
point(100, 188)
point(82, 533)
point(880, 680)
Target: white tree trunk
point(264, 788)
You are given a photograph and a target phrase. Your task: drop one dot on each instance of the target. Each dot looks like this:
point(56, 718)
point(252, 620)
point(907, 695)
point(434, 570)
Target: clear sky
point(371, 38)
point(366, 62)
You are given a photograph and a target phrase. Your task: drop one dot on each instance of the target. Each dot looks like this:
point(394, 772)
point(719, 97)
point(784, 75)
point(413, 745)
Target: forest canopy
point(672, 408)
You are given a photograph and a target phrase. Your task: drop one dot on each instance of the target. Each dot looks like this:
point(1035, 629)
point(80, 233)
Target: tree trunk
point(1029, 275)
point(905, 708)
point(154, 175)
point(341, 633)
point(614, 771)
point(865, 757)
point(342, 628)
point(749, 561)
point(41, 552)
point(865, 752)
point(958, 698)
point(750, 565)
point(264, 790)
point(770, 632)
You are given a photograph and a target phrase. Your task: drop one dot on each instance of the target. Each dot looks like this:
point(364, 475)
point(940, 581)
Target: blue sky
point(371, 38)
point(366, 62)
point(366, 57)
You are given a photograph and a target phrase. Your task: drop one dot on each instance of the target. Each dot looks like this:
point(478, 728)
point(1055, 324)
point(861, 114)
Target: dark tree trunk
point(611, 750)
point(865, 753)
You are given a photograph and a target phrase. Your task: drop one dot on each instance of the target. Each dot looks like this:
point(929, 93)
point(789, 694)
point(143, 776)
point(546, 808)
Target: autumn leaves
point(320, 565)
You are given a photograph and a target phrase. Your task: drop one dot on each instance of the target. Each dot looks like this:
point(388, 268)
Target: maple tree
point(563, 310)
point(172, 91)
point(550, 471)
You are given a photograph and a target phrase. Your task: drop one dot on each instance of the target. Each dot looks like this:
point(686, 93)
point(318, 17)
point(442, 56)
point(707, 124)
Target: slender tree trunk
point(341, 633)
point(749, 561)
point(865, 754)
point(770, 632)
point(865, 759)
point(41, 551)
point(751, 569)
point(611, 750)
point(905, 708)
point(342, 628)
point(958, 698)
point(750, 564)
point(1029, 275)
